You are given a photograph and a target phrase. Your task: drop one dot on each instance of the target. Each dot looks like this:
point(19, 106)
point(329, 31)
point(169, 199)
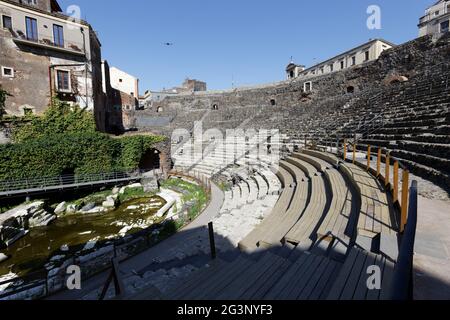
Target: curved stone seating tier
point(263, 187)
point(250, 242)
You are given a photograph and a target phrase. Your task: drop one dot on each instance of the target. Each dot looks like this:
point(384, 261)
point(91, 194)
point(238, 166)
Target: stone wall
point(274, 105)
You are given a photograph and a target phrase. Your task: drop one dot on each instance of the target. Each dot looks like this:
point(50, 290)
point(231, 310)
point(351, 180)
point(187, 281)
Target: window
point(31, 2)
point(367, 55)
point(63, 80)
point(120, 80)
point(307, 86)
point(58, 35)
point(353, 60)
point(444, 26)
point(273, 102)
point(322, 70)
point(7, 72)
point(31, 25)
point(7, 22)
point(331, 67)
point(342, 64)
point(436, 13)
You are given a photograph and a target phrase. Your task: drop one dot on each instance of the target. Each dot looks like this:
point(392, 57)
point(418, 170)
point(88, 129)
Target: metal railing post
point(354, 153)
point(345, 149)
point(212, 242)
point(379, 162)
point(395, 192)
point(405, 192)
point(369, 149)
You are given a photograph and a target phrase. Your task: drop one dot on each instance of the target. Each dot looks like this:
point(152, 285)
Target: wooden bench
point(302, 233)
point(376, 223)
point(351, 283)
point(276, 231)
point(337, 229)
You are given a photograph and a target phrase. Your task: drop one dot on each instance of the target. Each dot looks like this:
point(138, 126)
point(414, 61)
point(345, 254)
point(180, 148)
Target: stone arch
point(350, 89)
point(150, 160)
point(395, 79)
point(27, 109)
point(215, 106)
point(273, 102)
point(159, 109)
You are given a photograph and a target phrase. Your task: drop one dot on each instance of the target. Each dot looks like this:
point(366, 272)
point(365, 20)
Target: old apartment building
point(44, 53)
point(359, 55)
point(436, 19)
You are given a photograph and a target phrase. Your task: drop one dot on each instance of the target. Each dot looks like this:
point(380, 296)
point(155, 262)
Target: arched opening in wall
point(159, 109)
point(68, 176)
point(150, 160)
point(273, 102)
point(350, 89)
point(215, 107)
point(395, 80)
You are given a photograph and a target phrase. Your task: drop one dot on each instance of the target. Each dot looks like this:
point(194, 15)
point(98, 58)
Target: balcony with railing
point(46, 41)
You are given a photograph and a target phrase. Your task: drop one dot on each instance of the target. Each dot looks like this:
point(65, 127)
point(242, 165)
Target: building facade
point(152, 98)
point(193, 85)
point(45, 54)
point(124, 82)
point(121, 91)
point(436, 19)
point(359, 55)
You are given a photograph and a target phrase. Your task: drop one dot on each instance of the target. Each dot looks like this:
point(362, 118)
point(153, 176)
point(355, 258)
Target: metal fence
point(67, 180)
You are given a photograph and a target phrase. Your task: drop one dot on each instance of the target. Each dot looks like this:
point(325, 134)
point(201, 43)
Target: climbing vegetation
point(65, 141)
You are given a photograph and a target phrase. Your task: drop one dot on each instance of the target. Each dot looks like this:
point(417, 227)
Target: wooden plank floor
point(351, 283)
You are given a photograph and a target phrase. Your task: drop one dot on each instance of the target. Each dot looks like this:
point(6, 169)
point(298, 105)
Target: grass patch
point(132, 193)
point(192, 194)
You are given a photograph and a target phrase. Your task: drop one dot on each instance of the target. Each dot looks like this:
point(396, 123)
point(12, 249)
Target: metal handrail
point(64, 180)
point(402, 284)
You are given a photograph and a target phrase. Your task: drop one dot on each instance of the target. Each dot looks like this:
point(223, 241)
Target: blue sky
point(250, 41)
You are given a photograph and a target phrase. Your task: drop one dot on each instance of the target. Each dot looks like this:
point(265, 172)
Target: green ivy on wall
point(65, 141)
